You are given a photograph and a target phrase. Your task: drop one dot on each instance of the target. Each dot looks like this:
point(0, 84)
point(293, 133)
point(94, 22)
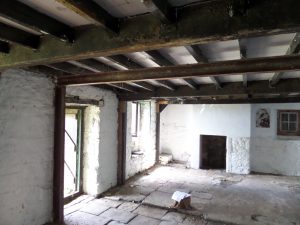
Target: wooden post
point(59, 142)
point(122, 128)
point(157, 132)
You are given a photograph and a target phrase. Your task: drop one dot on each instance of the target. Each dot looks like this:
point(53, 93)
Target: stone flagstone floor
point(217, 198)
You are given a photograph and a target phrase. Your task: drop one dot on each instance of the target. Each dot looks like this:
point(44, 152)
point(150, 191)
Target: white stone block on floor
point(108, 202)
point(159, 198)
point(143, 220)
point(128, 206)
point(174, 216)
point(118, 215)
point(150, 212)
point(191, 220)
point(95, 208)
point(82, 218)
point(116, 223)
point(169, 223)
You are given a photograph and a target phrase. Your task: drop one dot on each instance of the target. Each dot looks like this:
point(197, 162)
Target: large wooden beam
point(91, 10)
point(261, 88)
point(147, 32)
point(122, 127)
point(17, 36)
point(59, 146)
point(24, 15)
point(293, 48)
point(231, 67)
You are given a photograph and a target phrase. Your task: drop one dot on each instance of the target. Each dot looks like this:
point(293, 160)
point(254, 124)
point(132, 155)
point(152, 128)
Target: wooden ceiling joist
point(91, 10)
point(147, 32)
point(231, 67)
point(97, 65)
point(17, 36)
point(243, 55)
point(124, 86)
point(24, 15)
point(229, 89)
point(293, 48)
point(166, 11)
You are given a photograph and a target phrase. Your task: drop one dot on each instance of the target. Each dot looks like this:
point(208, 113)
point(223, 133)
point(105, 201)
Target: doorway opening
point(73, 153)
point(212, 152)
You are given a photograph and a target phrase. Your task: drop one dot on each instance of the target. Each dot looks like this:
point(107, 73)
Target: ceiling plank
point(135, 36)
point(46, 71)
point(22, 14)
point(91, 10)
point(231, 67)
point(166, 11)
point(229, 89)
point(16, 36)
point(293, 48)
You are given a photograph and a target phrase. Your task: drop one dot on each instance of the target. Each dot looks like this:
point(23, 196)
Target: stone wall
point(26, 148)
point(100, 139)
point(145, 141)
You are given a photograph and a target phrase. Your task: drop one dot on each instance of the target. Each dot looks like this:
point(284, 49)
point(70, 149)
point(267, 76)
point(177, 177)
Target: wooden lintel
point(231, 67)
point(147, 32)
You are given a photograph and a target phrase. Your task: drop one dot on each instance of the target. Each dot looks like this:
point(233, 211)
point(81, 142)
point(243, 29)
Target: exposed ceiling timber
point(24, 15)
point(230, 67)
point(192, 84)
point(167, 84)
point(97, 65)
point(124, 61)
point(4, 47)
point(200, 58)
point(91, 10)
point(243, 100)
point(145, 85)
point(125, 87)
point(134, 36)
point(166, 11)
point(216, 82)
point(197, 54)
point(46, 71)
point(17, 36)
point(163, 61)
point(69, 68)
point(243, 55)
point(229, 89)
point(158, 58)
point(293, 48)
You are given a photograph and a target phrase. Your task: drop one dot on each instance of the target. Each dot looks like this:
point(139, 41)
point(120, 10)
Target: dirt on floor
point(217, 198)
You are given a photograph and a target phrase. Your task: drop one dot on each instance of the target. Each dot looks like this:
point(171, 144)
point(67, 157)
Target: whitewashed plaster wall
point(26, 148)
point(182, 125)
point(271, 153)
point(101, 140)
point(145, 140)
